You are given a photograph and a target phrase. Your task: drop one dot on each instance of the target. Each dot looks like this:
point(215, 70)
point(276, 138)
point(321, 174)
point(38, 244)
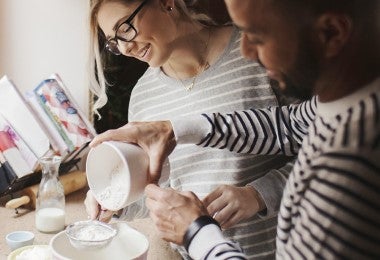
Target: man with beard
point(331, 203)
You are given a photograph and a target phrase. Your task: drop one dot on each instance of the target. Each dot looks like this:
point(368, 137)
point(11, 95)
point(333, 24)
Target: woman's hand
point(94, 210)
point(156, 138)
point(230, 204)
point(173, 211)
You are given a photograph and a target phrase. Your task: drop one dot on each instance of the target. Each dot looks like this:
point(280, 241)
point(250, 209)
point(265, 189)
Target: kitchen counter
point(75, 211)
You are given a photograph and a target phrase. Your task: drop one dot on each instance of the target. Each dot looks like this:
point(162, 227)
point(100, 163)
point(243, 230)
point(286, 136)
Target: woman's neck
point(190, 52)
point(196, 50)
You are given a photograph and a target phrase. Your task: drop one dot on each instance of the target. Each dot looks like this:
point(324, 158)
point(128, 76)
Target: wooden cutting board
point(71, 182)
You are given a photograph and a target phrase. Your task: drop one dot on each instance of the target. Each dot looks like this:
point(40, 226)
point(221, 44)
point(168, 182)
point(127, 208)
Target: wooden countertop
point(75, 211)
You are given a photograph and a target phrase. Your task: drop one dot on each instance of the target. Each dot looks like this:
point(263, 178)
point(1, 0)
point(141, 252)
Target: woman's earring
point(169, 9)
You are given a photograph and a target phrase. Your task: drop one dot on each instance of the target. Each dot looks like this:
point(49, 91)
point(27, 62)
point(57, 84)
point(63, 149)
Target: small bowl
point(82, 234)
point(20, 252)
point(19, 239)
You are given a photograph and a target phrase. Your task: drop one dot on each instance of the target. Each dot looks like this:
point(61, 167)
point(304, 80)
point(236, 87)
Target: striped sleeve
point(256, 131)
point(270, 187)
point(209, 243)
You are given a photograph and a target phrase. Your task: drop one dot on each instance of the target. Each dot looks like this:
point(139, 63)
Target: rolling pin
point(71, 182)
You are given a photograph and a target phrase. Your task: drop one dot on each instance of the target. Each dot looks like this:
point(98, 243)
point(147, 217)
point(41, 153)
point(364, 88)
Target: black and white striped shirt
point(331, 203)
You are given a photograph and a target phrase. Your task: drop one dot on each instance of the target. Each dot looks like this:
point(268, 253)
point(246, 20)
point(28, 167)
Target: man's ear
point(334, 30)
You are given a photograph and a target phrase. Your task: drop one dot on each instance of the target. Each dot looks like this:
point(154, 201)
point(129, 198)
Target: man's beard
point(300, 81)
point(296, 91)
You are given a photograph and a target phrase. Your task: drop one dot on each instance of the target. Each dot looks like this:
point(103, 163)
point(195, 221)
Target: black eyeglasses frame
point(112, 43)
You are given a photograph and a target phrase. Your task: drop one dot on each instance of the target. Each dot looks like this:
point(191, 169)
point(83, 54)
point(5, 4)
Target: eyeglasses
point(124, 32)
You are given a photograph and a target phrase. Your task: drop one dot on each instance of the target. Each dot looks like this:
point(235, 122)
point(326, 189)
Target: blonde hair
point(98, 82)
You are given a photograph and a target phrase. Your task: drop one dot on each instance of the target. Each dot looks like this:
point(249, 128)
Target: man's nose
point(248, 50)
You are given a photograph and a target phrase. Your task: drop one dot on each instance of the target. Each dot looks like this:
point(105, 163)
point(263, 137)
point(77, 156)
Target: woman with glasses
point(195, 66)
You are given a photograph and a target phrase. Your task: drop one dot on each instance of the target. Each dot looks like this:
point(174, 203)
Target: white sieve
point(90, 234)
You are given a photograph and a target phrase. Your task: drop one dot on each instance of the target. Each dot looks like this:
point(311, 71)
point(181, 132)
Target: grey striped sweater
point(232, 83)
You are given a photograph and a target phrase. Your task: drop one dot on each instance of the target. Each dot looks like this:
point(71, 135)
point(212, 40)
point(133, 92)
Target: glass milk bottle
point(50, 204)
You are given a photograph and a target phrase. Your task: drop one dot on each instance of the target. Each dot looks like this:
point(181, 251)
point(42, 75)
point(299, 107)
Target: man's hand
point(173, 211)
point(156, 138)
point(230, 204)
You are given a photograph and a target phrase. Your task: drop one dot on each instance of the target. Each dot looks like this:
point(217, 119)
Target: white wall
point(41, 37)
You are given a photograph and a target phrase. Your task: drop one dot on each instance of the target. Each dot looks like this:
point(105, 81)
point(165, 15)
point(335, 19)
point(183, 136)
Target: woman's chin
point(154, 64)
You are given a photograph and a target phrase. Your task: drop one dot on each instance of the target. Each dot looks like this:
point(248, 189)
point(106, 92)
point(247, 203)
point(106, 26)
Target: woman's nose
point(126, 48)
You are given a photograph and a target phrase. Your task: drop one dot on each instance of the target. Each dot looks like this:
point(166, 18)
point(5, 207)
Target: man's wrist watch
point(194, 228)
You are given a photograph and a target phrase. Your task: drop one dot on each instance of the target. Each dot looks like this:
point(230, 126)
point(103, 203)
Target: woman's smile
point(143, 54)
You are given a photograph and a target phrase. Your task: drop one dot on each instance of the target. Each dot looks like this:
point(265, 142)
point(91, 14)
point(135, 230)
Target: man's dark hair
point(365, 14)
point(357, 9)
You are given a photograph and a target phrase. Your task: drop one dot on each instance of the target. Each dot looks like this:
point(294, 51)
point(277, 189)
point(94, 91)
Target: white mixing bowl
point(117, 173)
point(127, 244)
